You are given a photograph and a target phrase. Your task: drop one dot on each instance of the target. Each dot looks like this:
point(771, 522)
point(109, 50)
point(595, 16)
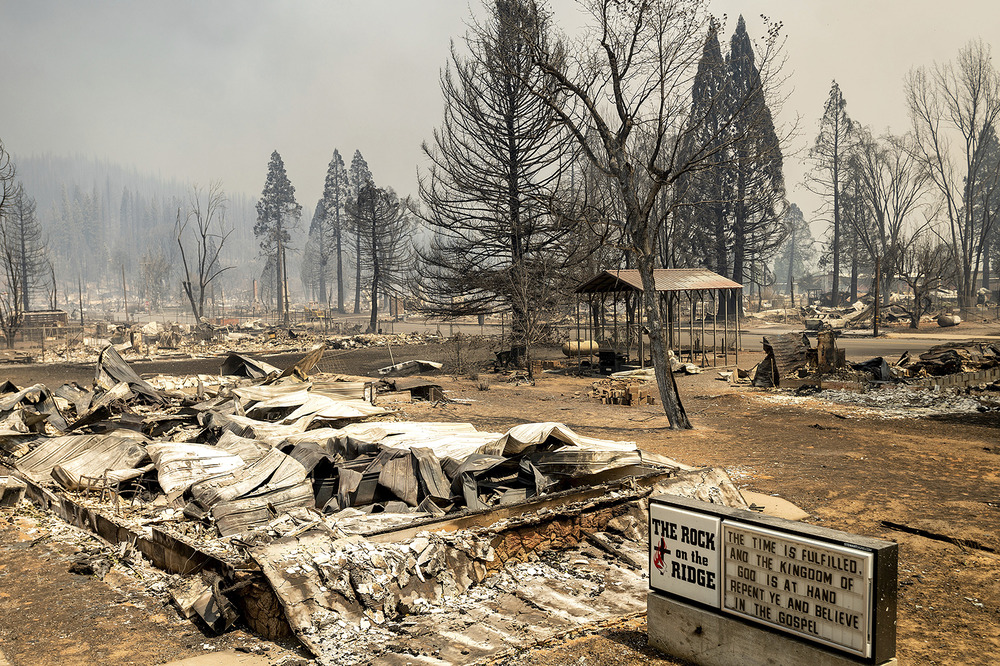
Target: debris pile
point(791, 356)
point(979, 359)
point(461, 595)
point(901, 401)
point(950, 358)
point(261, 442)
point(223, 470)
point(167, 340)
point(383, 339)
point(953, 378)
point(291, 500)
point(816, 317)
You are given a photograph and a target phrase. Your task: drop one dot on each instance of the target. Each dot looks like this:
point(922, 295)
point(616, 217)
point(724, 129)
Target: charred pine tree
point(759, 198)
point(829, 173)
point(335, 192)
point(277, 212)
point(495, 164)
point(384, 229)
point(358, 176)
point(701, 225)
point(23, 256)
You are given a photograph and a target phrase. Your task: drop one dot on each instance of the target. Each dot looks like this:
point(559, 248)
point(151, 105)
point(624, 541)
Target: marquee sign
point(824, 586)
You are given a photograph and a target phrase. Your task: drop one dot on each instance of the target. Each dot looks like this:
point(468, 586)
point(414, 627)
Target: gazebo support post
point(715, 321)
point(725, 332)
point(579, 342)
point(704, 358)
point(738, 331)
point(677, 311)
point(691, 326)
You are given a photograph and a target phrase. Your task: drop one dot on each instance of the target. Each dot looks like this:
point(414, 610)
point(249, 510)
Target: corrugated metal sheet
point(666, 279)
point(535, 435)
point(242, 514)
point(244, 366)
point(790, 352)
point(112, 369)
point(400, 477)
point(180, 465)
point(97, 454)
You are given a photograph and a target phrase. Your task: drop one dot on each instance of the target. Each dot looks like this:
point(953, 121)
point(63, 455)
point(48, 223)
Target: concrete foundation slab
point(710, 639)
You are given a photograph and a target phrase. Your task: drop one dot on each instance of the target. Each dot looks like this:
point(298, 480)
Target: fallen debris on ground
point(284, 502)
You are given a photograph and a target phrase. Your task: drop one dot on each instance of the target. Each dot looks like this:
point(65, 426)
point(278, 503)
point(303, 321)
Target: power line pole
point(79, 288)
point(124, 295)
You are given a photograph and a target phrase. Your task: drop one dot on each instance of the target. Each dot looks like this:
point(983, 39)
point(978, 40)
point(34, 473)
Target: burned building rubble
point(295, 503)
point(951, 378)
point(791, 356)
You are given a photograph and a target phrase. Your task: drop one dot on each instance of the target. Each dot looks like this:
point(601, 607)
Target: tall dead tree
point(6, 179)
point(893, 185)
point(11, 306)
point(624, 96)
point(495, 163)
point(204, 227)
point(31, 248)
point(23, 258)
point(952, 107)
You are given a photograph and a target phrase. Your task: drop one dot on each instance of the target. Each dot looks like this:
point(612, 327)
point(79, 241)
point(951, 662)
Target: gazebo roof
point(666, 279)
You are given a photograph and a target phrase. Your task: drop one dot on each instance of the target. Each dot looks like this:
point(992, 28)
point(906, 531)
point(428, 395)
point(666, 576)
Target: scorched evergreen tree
point(496, 161)
point(358, 177)
point(277, 212)
point(829, 173)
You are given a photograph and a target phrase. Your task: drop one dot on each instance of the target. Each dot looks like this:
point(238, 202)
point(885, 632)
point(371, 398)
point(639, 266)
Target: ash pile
point(294, 504)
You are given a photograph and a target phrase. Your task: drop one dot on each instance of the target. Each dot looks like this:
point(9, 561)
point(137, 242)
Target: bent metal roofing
point(666, 279)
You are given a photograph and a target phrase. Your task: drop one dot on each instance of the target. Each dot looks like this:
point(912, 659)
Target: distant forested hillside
point(101, 217)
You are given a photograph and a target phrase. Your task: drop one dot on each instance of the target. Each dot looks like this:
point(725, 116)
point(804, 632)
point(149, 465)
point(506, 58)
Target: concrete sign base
point(709, 639)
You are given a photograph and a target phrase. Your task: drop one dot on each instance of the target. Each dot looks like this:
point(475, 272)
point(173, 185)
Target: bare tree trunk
point(279, 270)
point(672, 406)
point(323, 261)
point(836, 223)
point(376, 271)
point(854, 277)
point(24, 268)
point(284, 285)
point(357, 272)
point(340, 270)
point(986, 265)
point(791, 263)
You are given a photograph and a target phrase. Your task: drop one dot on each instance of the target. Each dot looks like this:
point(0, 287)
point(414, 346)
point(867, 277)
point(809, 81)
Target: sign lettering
point(685, 558)
point(821, 590)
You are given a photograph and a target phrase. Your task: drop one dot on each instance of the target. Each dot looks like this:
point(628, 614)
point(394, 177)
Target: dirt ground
point(848, 469)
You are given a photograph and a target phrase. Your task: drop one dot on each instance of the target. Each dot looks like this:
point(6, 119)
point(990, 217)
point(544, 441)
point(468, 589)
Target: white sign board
point(816, 590)
point(685, 554)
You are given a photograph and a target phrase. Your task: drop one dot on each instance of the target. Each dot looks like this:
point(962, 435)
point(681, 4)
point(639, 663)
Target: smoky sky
point(202, 91)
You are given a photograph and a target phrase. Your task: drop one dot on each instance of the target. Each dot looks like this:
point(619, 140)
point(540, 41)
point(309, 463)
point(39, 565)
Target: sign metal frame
point(837, 562)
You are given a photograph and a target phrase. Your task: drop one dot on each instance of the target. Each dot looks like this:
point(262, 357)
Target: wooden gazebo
point(695, 294)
